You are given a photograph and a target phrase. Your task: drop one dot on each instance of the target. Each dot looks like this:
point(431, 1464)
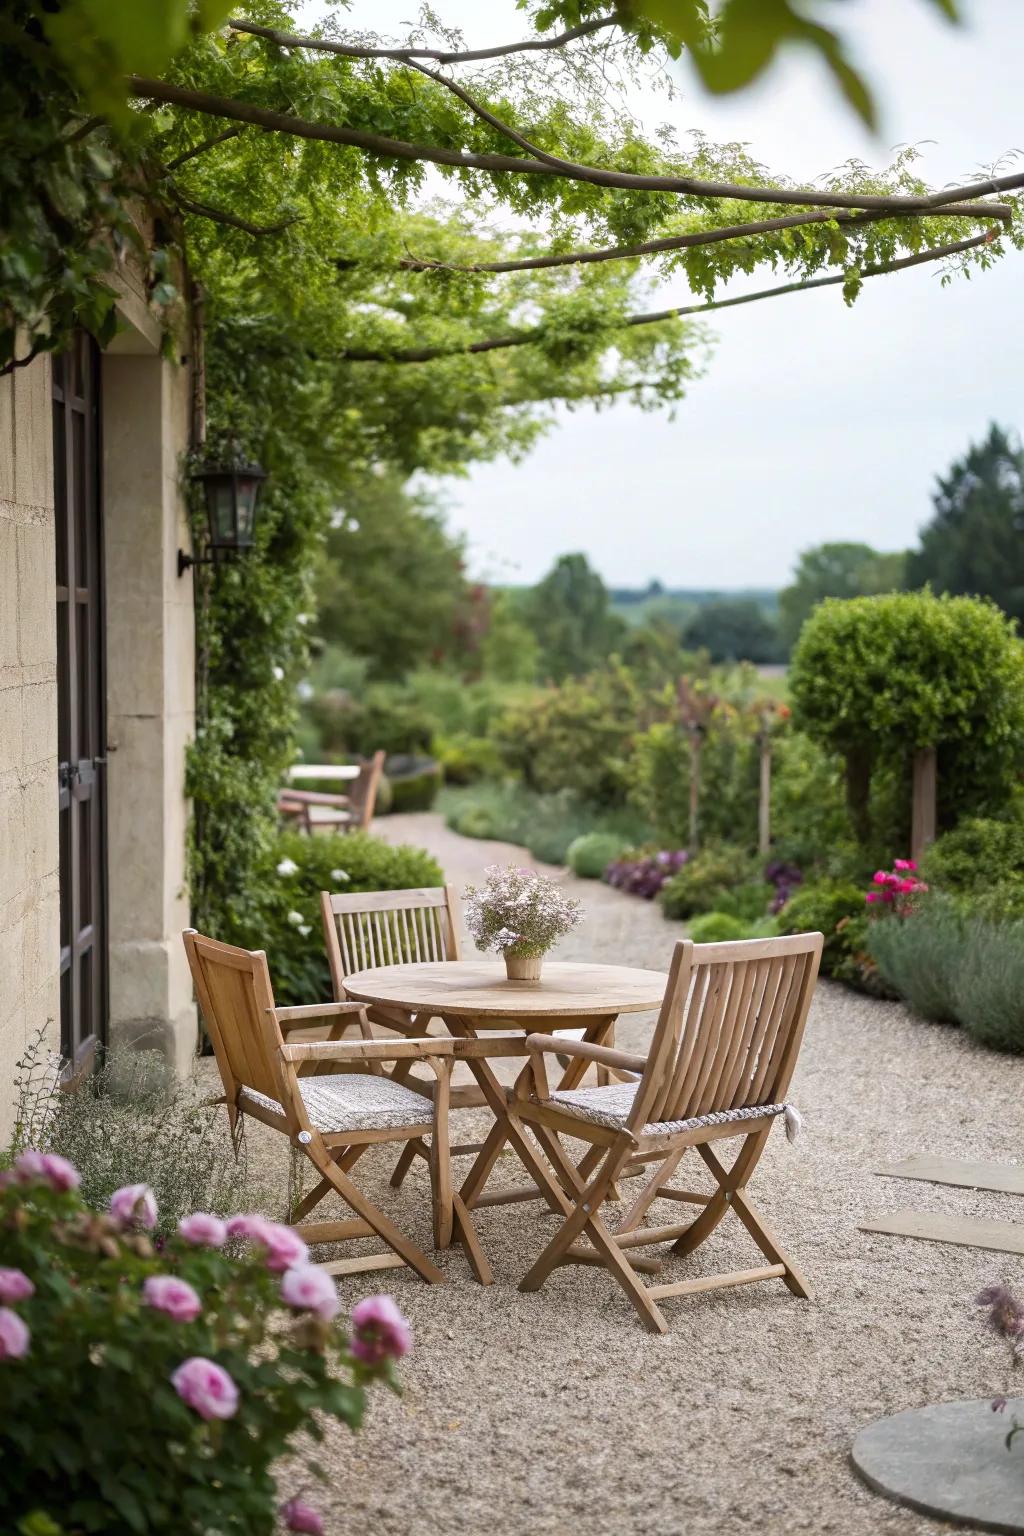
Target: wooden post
point(764, 804)
point(695, 735)
point(922, 825)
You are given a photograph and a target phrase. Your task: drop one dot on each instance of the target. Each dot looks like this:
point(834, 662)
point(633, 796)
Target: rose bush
point(148, 1391)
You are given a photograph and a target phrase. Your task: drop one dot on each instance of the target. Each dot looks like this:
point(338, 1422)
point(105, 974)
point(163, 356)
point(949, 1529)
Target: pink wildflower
point(206, 1387)
point(880, 877)
point(166, 1293)
point(134, 1205)
point(203, 1230)
point(300, 1516)
point(309, 1289)
point(871, 896)
point(904, 864)
point(14, 1336)
point(282, 1245)
point(15, 1286)
point(380, 1332)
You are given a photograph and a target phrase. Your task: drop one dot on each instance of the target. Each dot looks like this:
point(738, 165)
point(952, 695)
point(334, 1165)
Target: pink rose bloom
point(908, 885)
point(175, 1297)
point(203, 1230)
point(206, 1387)
point(283, 1246)
point(15, 1286)
point(309, 1289)
point(873, 896)
point(29, 1165)
point(300, 1516)
point(134, 1205)
point(61, 1174)
point(879, 877)
point(14, 1336)
point(380, 1332)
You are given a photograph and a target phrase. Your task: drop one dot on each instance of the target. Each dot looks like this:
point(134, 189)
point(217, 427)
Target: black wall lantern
point(232, 496)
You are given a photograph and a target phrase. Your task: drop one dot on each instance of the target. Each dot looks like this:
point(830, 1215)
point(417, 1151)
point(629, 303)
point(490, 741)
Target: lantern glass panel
point(220, 501)
point(247, 492)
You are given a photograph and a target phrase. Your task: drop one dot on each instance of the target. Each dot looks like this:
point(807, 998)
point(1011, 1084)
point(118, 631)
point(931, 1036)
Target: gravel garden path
point(557, 1413)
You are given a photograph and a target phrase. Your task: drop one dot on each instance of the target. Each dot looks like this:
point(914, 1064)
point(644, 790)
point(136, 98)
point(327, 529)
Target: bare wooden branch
point(201, 148)
point(413, 263)
point(524, 338)
point(690, 186)
point(233, 220)
point(403, 55)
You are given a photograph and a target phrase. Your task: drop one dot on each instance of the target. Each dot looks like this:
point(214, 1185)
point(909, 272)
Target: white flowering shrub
point(518, 912)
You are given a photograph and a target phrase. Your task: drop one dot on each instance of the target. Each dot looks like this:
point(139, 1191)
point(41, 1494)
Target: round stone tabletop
point(479, 989)
point(950, 1460)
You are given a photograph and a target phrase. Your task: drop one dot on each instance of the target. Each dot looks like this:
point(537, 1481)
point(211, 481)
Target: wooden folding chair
point(333, 1118)
point(375, 928)
point(720, 1062)
point(316, 809)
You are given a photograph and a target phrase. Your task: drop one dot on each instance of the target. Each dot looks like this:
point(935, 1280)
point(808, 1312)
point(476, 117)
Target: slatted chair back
point(234, 992)
point(363, 794)
point(730, 1027)
point(375, 928)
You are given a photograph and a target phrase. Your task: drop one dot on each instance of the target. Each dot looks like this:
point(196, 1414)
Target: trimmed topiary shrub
point(978, 854)
point(703, 883)
point(590, 855)
point(921, 957)
point(878, 678)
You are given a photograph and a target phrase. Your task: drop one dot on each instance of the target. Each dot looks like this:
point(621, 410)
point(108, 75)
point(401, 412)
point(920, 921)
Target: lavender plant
point(518, 912)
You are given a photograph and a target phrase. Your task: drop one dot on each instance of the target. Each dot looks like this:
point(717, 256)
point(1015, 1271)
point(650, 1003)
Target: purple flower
point(14, 1336)
point(15, 1286)
point(32, 1165)
point(166, 1293)
point(203, 1231)
point(206, 1387)
point(309, 1289)
point(300, 1516)
point(380, 1332)
point(134, 1205)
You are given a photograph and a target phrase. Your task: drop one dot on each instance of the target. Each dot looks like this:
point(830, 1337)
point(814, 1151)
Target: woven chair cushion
point(352, 1101)
point(610, 1107)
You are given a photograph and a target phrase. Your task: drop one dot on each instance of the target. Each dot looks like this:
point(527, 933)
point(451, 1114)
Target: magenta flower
point(166, 1293)
point(206, 1387)
point(871, 896)
point(380, 1332)
point(309, 1289)
point(880, 877)
point(14, 1336)
point(203, 1231)
point(15, 1286)
point(134, 1205)
point(300, 1516)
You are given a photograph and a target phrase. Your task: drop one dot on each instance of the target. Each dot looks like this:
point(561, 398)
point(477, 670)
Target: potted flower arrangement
point(521, 915)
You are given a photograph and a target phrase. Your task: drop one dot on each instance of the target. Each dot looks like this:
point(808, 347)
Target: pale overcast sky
point(813, 421)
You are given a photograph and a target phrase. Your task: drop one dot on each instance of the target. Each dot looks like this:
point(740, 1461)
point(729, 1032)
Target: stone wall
point(29, 857)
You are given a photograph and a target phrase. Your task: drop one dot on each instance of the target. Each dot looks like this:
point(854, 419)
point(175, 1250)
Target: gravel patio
point(556, 1412)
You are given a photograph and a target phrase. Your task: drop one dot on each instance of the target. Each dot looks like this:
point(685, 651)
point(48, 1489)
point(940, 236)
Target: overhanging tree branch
point(656, 317)
point(403, 55)
point(233, 220)
point(398, 149)
point(201, 148)
point(413, 263)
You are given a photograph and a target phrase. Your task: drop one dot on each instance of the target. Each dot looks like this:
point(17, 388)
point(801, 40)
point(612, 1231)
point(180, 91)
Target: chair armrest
point(605, 1055)
point(311, 1013)
point(365, 1050)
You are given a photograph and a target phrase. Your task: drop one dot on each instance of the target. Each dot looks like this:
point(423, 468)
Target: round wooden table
point(474, 996)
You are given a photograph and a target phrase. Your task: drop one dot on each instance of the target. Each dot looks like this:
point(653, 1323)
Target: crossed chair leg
point(588, 1188)
point(333, 1165)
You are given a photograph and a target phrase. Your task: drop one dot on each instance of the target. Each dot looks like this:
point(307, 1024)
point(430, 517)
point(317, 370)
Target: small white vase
point(523, 967)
